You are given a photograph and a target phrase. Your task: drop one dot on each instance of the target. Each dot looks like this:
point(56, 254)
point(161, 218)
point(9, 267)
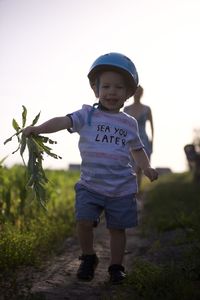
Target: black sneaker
point(117, 274)
point(87, 267)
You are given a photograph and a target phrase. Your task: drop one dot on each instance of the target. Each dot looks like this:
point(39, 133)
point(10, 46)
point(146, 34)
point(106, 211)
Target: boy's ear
point(128, 94)
point(95, 90)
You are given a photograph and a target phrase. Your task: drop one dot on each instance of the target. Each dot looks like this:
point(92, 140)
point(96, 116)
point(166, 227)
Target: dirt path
point(56, 280)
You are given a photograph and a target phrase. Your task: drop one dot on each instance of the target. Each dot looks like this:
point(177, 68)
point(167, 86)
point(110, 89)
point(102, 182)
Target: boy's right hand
point(30, 130)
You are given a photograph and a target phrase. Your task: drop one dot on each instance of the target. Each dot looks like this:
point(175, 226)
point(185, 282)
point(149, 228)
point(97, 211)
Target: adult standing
point(143, 114)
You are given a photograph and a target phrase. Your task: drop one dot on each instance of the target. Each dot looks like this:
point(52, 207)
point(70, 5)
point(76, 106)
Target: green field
point(169, 269)
point(28, 231)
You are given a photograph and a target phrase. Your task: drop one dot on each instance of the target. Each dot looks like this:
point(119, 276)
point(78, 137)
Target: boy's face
point(112, 91)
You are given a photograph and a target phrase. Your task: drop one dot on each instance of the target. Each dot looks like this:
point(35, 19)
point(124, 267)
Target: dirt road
point(56, 280)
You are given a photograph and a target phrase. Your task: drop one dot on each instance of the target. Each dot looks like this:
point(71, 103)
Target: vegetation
point(170, 268)
point(27, 231)
point(36, 177)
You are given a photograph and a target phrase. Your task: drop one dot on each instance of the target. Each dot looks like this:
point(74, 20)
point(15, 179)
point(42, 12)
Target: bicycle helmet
point(116, 62)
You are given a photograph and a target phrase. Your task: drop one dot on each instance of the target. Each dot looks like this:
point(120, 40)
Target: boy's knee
point(115, 231)
point(84, 224)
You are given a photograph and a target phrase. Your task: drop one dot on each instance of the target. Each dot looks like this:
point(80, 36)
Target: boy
point(107, 139)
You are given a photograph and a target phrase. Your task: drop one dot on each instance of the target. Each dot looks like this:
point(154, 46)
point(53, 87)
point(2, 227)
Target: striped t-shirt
point(104, 144)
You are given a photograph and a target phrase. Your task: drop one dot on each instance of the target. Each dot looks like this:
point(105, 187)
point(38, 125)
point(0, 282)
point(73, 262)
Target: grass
point(170, 268)
point(28, 235)
point(173, 202)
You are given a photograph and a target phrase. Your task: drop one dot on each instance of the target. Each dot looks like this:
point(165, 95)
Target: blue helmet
point(116, 62)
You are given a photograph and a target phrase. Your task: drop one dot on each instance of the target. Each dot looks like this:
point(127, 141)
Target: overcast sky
point(47, 47)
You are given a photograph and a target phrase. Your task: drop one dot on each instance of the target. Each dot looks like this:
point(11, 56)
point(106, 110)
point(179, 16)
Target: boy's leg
point(117, 247)
point(85, 235)
point(88, 207)
point(120, 213)
point(89, 260)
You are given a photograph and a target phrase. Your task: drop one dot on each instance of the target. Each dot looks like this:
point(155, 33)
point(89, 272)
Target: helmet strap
point(102, 107)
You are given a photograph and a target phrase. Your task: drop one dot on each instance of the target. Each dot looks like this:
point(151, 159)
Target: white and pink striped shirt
point(104, 144)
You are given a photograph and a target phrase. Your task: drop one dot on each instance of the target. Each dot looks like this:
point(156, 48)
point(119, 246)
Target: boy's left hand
point(151, 173)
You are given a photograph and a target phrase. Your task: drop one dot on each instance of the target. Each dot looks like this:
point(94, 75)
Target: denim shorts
point(120, 212)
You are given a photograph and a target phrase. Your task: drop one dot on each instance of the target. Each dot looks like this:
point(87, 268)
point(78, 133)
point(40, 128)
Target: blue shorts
point(120, 212)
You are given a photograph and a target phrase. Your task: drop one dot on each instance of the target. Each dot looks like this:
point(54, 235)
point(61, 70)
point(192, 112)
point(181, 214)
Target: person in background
point(107, 181)
point(142, 113)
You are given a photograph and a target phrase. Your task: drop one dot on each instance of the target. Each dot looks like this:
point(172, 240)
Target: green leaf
point(15, 125)
point(24, 115)
point(37, 147)
point(51, 141)
point(30, 181)
point(16, 150)
point(9, 139)
point(35, 119)
point(23, 145)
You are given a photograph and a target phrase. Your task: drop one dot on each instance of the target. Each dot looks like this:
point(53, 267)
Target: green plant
point(171, 268)
point(167, 282)
point(37, 147)
point(28, 234)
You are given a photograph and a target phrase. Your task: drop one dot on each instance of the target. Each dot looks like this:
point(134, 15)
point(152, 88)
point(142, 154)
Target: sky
point(48, 46)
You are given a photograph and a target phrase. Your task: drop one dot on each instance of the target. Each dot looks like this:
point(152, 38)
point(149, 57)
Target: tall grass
point(28, 232)
point(173, 202)
point(170, 268)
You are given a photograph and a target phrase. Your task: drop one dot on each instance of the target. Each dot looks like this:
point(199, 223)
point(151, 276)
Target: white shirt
point(104, 144)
